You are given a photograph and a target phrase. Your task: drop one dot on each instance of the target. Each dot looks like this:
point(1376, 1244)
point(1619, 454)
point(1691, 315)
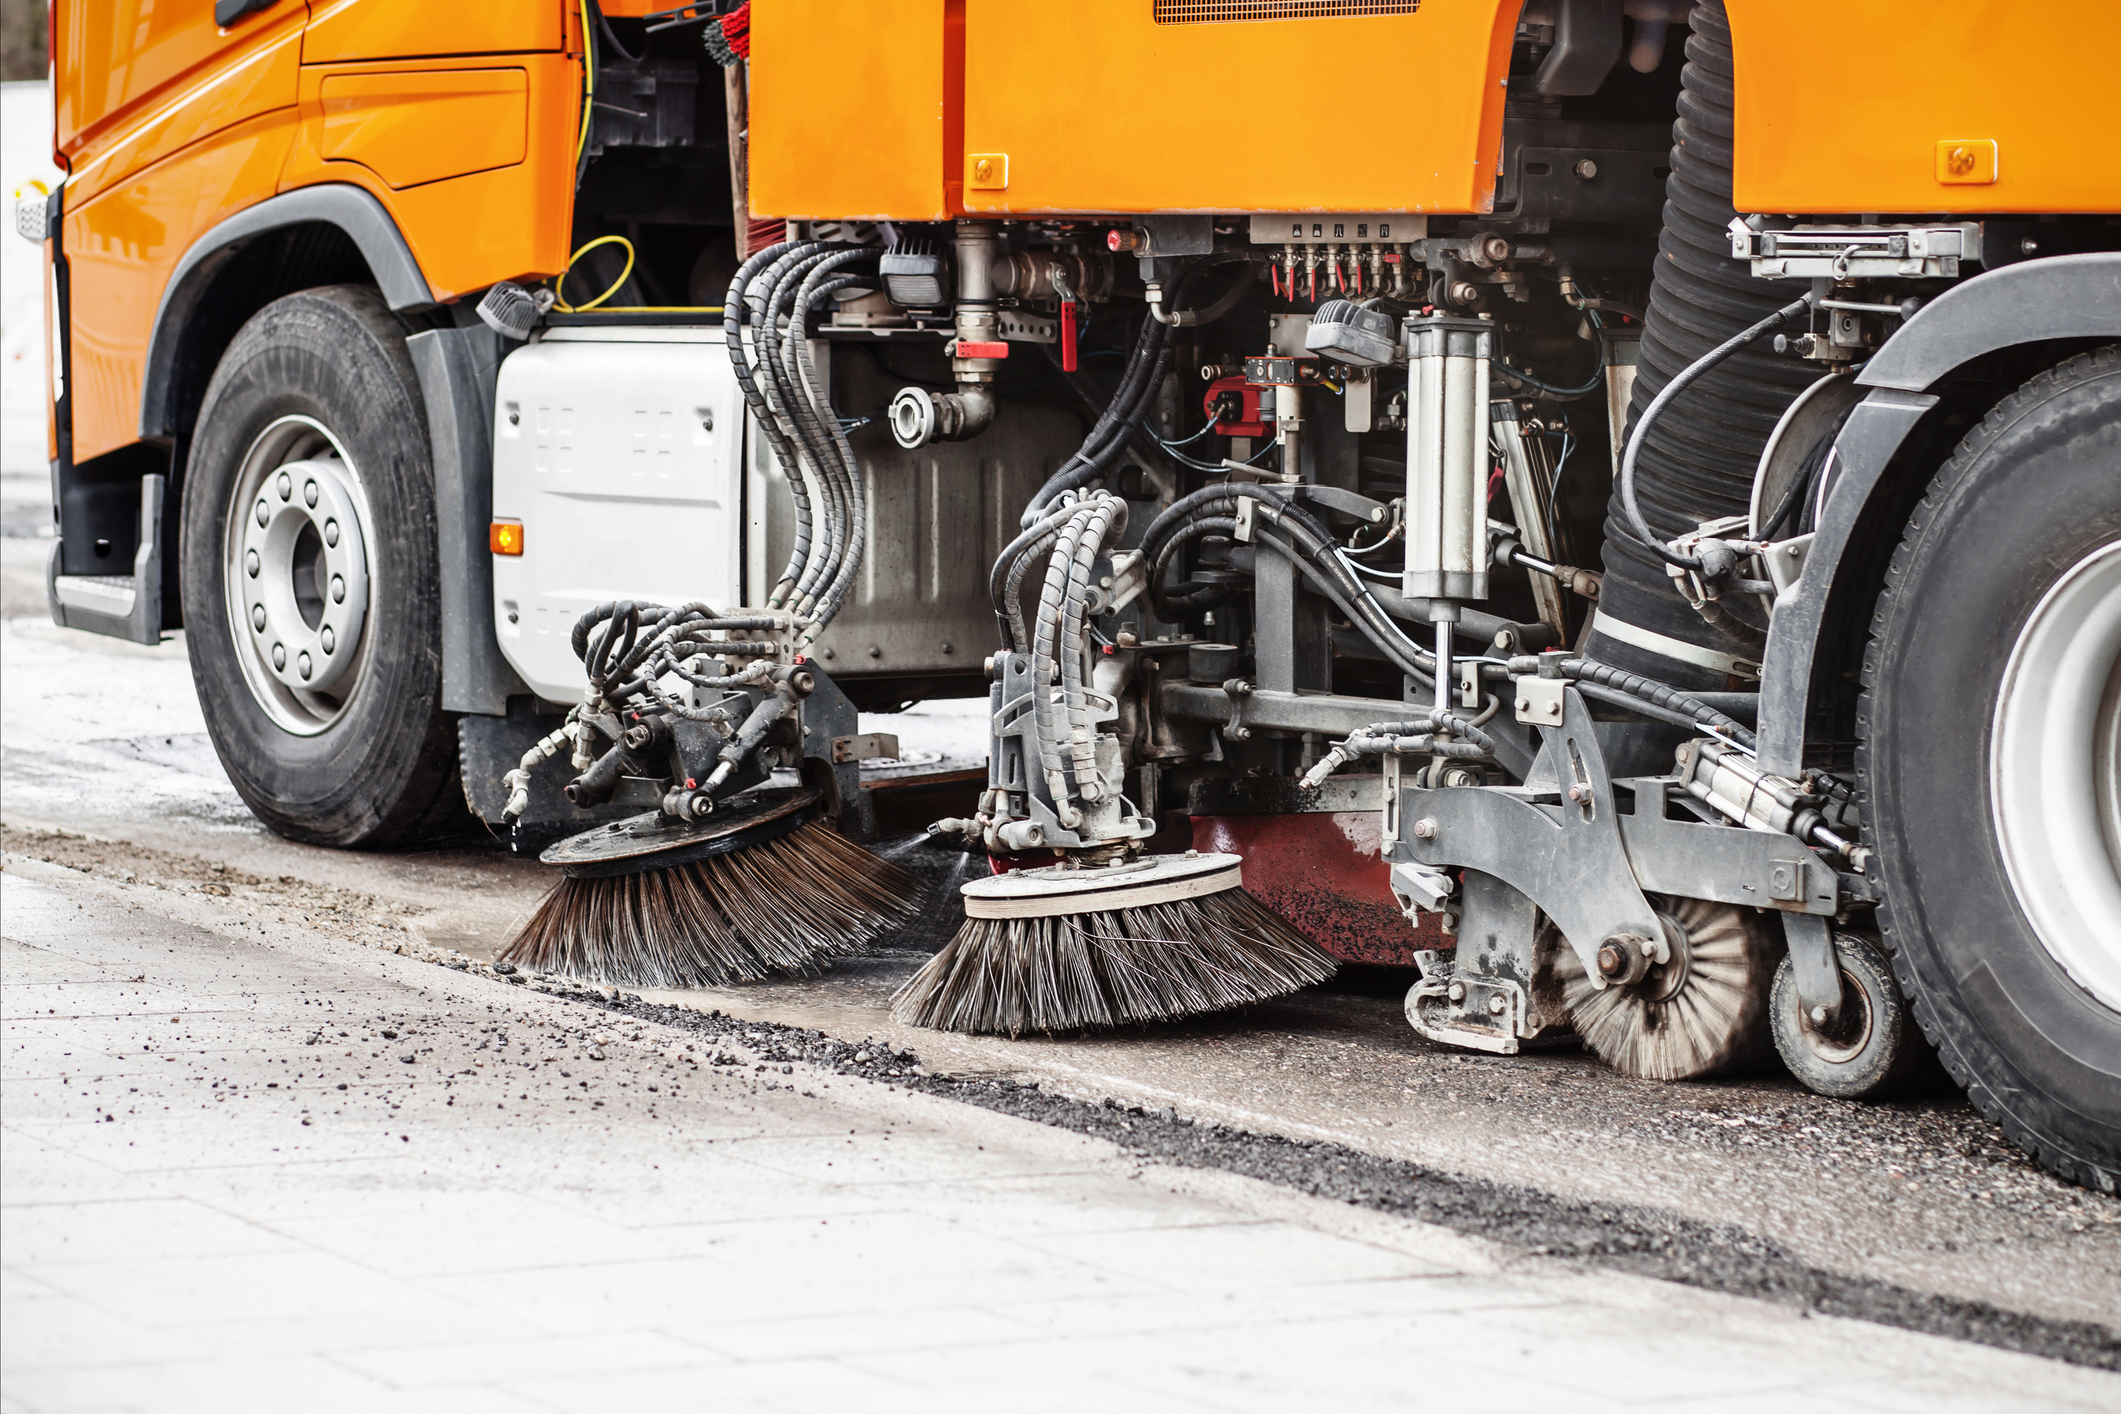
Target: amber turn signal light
point(505, 537)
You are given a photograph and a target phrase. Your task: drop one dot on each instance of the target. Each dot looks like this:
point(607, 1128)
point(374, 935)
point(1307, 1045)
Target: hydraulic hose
point(1009, 569)
point(1122, 419)
point(1045, 649)
point(1692, 374)
point(1696, 461)
point(1107, 518)
point(1146, 367)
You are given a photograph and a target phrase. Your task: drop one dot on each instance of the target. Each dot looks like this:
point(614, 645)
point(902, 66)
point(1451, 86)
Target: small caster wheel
point(1868, 1051)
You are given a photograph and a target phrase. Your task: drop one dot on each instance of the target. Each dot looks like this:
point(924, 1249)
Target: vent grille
point(1208, 12)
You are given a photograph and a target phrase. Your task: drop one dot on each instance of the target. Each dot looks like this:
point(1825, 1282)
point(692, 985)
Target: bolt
point(875, 652)
point(1496, 1005)
point(1818, 1016)
point(1425, 829)
point(947, 648)
point(250, 563)
point(286, 487)
point(257, 617)
point(331, 533)
point(2028, 246)
point(1585, 168)
point(1575, 792)
point(264, 512)
point(279, 658)
point(706, 421)
point(515, 419)
point(330, 639)
point(1495, 248)
point(302, 666)
point(309, 494)
point(1959, 161)
point(338, 589)
point(1612, 960)
point(1458, 991)
point(1464, 292)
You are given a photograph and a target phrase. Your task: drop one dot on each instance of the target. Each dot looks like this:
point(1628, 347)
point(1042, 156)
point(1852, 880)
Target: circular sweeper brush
point(1703, 1011)
point(762, 885)
point(1072, 948)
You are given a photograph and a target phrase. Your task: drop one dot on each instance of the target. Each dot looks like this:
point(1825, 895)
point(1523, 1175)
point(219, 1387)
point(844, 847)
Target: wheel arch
point(1931, 383)
point(331, 233)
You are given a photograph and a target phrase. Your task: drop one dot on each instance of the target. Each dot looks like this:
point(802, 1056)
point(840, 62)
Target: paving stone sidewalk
point(244, 1166)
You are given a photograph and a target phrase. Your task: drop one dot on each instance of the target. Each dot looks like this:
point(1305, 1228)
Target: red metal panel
point(1323, 872)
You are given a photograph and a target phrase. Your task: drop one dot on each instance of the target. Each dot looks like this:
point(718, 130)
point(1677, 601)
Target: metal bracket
point(1816, 966)
point(1539, 701)
point(868, 746)
point(1499, 988)
point(1563, 850)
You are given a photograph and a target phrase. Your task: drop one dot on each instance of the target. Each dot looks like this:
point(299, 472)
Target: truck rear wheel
point(309, 576)
point(1991, 765)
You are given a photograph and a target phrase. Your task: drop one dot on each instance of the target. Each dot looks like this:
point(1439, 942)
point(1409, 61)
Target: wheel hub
point(1842, 1038)
point(306, 573)
point(2055, 772)
point(296, 568)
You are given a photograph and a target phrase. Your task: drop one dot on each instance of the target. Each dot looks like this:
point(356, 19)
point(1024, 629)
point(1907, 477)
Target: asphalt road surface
point(1916, 1214)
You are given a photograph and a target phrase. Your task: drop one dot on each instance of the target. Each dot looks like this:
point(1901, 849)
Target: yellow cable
point(589, 85)
point(562, 305)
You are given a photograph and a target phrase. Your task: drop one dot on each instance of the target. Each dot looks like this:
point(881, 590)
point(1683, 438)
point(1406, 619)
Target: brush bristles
point(783, 905)
point(1083, 971)
point(1717, 1018)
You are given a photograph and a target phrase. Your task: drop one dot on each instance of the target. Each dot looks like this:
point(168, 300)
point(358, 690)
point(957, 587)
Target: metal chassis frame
point(1588, 866)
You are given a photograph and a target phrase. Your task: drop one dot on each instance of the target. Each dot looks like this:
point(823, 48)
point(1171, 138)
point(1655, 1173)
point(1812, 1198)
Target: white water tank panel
point(621, 452)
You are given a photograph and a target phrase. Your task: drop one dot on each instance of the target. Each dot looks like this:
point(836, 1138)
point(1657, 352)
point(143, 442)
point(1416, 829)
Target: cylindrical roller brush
point(762, 886)
point(1066, 949)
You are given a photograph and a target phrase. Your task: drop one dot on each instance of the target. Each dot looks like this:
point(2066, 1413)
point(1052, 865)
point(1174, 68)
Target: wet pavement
point(103, 741)
point(263, 1164)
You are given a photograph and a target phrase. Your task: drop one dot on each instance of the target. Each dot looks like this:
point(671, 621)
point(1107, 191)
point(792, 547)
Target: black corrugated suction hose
point(1697, 461)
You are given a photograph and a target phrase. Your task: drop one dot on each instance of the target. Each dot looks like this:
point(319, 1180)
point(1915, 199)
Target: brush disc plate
point(651, 842)
point(1152, 879)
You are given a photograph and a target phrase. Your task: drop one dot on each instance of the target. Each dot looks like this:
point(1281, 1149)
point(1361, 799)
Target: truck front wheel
point(309, 576)
point(1991, 765)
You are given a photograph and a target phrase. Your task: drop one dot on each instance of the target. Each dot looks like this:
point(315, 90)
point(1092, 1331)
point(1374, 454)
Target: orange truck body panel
point(963, 111)
point(1346, 113)
point(850, 116)
point(2034, 80)
point(461, 120)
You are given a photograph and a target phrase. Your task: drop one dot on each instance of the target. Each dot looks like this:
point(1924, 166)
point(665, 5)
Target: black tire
point(379, 768)
point(2030, 493)
point(1872, 1050)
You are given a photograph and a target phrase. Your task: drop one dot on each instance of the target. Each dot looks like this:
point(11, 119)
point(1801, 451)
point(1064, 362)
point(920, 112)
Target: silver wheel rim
point(2054, 759)
point(299, 576)
point(1851, 1031)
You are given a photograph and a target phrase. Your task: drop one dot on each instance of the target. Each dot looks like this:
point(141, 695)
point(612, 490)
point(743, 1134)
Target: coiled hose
point(1697, 461)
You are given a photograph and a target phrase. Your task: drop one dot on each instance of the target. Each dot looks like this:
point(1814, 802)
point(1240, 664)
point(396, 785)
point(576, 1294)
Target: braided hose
point(1043, 669)
point(1108, 516)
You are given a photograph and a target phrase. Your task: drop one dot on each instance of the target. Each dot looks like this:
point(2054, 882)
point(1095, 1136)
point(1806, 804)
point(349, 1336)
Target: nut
point(1425, 829)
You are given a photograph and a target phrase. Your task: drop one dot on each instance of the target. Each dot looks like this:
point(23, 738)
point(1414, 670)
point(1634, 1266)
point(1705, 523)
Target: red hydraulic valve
point(1067, 336)
point(993, 349)
point(1222, 395)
